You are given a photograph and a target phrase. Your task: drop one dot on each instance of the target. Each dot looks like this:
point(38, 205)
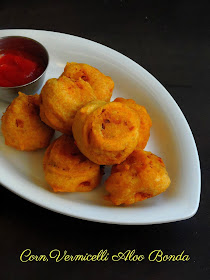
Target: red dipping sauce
point(19, 68)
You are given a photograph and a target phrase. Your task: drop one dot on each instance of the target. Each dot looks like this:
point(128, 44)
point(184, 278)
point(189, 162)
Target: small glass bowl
point(32, 47)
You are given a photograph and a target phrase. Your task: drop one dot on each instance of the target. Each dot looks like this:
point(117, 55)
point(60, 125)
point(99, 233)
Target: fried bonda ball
point(67, 170)
point(60, 100)
point(101, 84)
point(106, 133)
point(145, 120)
point(142, 175)
point(22, 127)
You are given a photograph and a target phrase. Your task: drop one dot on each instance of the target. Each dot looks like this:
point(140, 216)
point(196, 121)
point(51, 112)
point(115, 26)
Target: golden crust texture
point(142, 175)
point(102, 85)
point(60, 100)
point(106, 133)
point(22, 127)
point(67, 170)
point(145, 120)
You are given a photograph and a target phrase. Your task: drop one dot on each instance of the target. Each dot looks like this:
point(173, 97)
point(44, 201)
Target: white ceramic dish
point(171, 139)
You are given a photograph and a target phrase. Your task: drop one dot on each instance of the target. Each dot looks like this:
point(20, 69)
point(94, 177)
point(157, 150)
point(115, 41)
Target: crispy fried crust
point(106, 133)
point(22, 127)
point(142, 175)
point(67, 170)
point(145, 120)
point(102, 85)
point(60, 100)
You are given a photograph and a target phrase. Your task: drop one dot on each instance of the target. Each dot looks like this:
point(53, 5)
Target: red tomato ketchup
point(19, 68)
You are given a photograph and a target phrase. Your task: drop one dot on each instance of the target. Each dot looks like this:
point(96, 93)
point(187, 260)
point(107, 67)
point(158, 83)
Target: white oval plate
point(171, 139)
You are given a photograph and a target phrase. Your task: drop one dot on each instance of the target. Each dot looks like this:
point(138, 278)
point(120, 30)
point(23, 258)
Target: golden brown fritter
point(67, 170)
point(101, 84)
point(145, 120)
point(60, 100)
point(106, 133)
point(22, 127)
point(142, 175)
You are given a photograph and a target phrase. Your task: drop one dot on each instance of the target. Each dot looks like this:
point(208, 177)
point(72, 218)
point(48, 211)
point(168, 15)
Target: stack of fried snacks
point(97, 132)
